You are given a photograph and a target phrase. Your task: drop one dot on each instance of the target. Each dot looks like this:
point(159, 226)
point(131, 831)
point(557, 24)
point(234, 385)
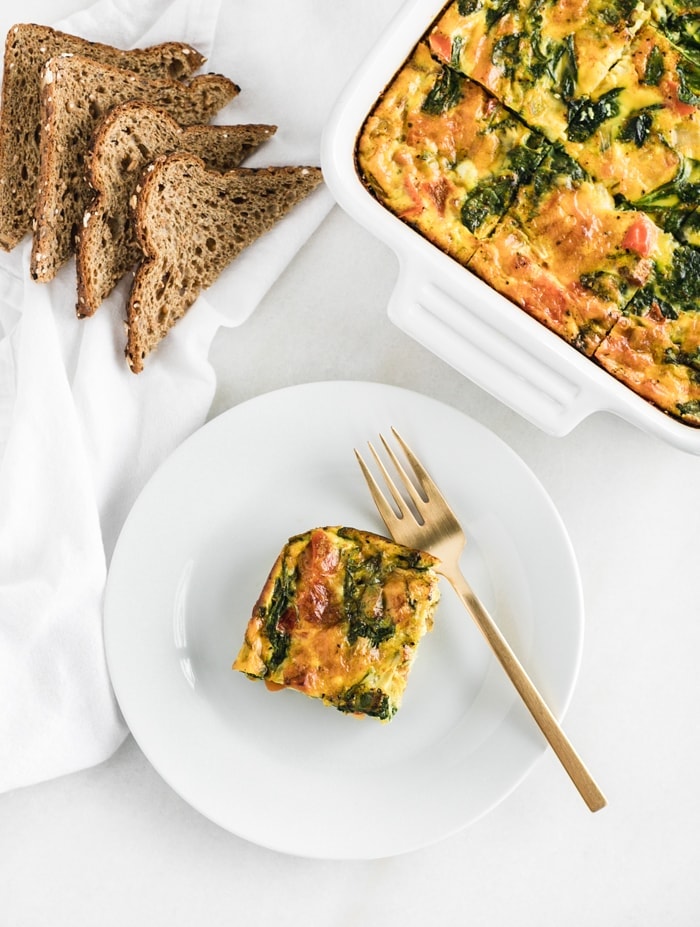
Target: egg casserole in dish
point(553, 149)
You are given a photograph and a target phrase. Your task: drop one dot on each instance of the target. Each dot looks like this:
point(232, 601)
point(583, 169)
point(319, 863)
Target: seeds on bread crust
point(27, 49)
point(69, 118)
point(130, 136)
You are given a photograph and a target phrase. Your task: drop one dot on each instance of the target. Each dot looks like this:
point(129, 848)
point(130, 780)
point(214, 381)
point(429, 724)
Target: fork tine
point(385, 510)
point(405, 478)
point(424, 479)
point(400, 504)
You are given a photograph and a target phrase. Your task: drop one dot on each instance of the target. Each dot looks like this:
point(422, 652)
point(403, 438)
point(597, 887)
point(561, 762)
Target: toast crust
point(68, 120)
point(126, 140)
point(27, 48)
point(191, 223)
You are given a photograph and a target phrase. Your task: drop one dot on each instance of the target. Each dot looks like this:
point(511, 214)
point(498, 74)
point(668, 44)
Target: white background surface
point(114, 845)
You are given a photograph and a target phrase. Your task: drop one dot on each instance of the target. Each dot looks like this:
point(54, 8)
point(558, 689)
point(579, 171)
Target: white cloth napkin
point(79, 433)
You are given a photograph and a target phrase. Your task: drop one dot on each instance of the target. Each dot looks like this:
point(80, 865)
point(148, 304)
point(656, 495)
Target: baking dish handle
point(468, 332)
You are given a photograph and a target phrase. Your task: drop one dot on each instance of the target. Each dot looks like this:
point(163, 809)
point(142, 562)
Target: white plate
point(283, 770)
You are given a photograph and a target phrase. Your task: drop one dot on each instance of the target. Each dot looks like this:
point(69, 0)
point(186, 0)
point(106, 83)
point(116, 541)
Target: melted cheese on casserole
point(640, 147)
point(443, 155)
point(508, 262)
point(340, 618)
point(581, 235)
point(569, 256)
point(659, 358)
point(536, 57)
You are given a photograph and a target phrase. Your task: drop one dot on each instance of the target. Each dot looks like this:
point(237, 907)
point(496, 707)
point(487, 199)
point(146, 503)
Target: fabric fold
point(80, 435)
point(58, 709)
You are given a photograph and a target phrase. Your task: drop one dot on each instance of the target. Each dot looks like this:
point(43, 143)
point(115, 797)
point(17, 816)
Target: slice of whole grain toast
point(125, 141)
point(76, 93)
point(191, 223)
point(27, 49)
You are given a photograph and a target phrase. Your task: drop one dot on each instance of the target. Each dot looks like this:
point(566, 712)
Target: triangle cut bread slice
point(132, 135)
point(191, 224)
point(27, 49)
point(76, 93)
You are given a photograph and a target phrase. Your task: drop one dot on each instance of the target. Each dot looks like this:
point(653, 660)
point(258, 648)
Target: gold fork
point(433, 526)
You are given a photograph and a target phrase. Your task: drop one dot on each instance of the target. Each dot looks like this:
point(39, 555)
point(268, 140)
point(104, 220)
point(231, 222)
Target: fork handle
point(538, 708)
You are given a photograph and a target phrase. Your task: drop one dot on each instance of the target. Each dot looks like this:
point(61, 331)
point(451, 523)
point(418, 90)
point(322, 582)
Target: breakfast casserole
point(340, 618)
point(552, 147)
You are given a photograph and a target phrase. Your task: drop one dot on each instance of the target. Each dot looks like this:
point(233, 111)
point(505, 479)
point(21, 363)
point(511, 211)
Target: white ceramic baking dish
point(453, 313)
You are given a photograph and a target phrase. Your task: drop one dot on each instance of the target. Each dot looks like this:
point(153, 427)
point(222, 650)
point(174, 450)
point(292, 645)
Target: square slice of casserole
point(340, 618)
